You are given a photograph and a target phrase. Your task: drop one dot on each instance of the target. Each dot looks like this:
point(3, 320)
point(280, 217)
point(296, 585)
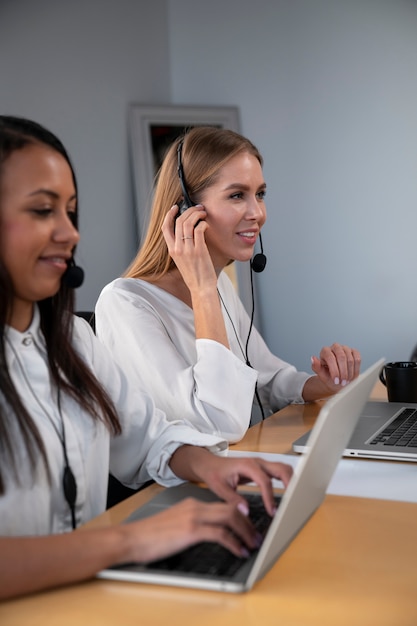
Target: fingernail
point(244, 552)
point(259, 539)
point(344, 383)
point(336, 381)
point(243, 508)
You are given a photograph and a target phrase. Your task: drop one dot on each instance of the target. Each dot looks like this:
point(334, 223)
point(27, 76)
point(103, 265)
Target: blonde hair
point(205, 150)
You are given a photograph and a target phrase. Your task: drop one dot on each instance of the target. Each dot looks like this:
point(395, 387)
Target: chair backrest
point(89, 316)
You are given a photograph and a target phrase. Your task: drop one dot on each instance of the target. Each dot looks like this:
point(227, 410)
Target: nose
point(65, 231)
point(256, 210)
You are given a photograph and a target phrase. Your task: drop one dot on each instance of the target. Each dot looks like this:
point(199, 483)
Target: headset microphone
point(259, 260)
point(74, 275)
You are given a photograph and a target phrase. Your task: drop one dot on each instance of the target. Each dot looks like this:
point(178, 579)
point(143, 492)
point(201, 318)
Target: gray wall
point(326, 88)
point(328, 91)
point(75, 66)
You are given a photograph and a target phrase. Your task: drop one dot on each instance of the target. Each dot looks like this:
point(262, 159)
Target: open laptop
point(305, 492)
point(385, 430)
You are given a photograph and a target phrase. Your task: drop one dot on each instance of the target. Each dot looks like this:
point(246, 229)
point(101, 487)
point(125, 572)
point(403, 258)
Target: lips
point(59, 262)
point(249, 236)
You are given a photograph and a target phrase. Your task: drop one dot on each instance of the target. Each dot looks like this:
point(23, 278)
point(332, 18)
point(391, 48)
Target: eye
point(43, 212)
point(261, 194)
point(236, 196)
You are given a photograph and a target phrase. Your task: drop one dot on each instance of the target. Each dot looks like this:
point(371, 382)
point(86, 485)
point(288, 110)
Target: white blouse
point(36, 506)
point(151, 334)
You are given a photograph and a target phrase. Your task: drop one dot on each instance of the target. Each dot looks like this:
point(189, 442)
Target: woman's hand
point(336, 367)
point(187, 246)
point(222, 475)
point(184, 236)
point(187, 523)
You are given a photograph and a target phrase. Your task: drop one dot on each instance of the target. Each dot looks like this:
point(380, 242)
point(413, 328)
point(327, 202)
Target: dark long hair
point(68, 370)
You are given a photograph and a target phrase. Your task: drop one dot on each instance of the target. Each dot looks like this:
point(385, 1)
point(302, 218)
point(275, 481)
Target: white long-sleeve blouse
point(36, 506)
point(151, 334)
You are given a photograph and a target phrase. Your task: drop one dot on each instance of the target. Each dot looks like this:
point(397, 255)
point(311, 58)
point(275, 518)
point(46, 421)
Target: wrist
point(191, 462)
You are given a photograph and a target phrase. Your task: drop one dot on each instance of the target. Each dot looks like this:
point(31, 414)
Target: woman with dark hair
point(174, 320)
point(67, 413)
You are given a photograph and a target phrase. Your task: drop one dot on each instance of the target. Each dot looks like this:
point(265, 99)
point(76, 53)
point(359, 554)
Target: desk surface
point(354, 562)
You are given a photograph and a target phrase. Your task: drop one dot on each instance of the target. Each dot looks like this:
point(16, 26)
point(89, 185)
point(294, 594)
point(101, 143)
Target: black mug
point(400, 379)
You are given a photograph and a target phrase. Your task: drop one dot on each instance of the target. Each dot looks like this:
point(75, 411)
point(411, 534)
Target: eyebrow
point(50, 193)
point(242, 186)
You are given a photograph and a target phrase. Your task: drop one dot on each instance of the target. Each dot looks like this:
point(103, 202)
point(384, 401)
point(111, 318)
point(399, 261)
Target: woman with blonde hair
point(174, 321)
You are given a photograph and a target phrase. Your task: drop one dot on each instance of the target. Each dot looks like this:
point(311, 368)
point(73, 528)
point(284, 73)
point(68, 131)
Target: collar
point(32, 334)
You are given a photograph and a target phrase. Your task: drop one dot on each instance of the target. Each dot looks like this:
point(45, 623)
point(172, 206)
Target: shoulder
point(130, 288)
point(135, 292)
point(93, 352)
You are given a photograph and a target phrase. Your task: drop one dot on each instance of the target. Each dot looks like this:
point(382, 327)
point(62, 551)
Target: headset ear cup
point(182, 207)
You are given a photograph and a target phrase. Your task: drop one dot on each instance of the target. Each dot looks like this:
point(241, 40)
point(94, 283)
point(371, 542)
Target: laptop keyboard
point(402, 431)
point(213, 559)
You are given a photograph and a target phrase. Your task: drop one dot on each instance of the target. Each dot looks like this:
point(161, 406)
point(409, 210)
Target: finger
point(229, 538)
point(168, 224)
point(349, 361)
point(225, 524)
point(280, 471)
point(333, 359)
point(253, 470)
point(325, 368)
point(355, 366)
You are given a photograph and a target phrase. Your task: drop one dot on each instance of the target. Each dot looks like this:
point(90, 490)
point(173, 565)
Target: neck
point(21, 316)
point(173, 283)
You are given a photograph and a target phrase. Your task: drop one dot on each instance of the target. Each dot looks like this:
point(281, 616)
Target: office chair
point(116, 491)
point(89, 316)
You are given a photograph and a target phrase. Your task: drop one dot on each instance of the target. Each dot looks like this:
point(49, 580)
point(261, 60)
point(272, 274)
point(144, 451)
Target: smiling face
point(235, 210)
point(37, 236)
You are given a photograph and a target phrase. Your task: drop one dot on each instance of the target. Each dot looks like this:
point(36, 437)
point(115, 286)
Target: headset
point(186, 201)
point(74, 275)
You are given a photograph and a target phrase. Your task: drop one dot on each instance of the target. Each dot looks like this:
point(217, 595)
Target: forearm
point(208, 318)
point(30, 564)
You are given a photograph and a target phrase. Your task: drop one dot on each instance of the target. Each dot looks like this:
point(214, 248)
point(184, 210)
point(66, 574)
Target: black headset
point(73, 275)
point(186, 201)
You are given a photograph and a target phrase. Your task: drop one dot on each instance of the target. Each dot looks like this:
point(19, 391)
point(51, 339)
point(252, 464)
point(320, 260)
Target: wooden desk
point(355, 562)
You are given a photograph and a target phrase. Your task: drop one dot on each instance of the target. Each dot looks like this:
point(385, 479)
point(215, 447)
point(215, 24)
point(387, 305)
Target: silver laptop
point(385, 430)
point(333, 428)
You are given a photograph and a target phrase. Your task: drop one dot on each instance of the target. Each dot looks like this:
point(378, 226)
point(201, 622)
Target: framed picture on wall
point(152, 130)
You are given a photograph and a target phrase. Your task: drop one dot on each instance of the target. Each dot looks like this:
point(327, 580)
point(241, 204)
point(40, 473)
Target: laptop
point(385, 430)
point(304, 494)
